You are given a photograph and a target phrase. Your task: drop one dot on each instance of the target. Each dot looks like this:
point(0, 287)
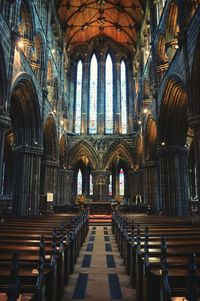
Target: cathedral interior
point(99, 102)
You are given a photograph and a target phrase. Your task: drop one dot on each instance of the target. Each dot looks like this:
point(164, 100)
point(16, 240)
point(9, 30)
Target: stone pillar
point(4, 125)
point(65, 187)
point(173, 180)
point(194, 123)
point(26, 186)
point(49, 178)
point(151, 184)
point(84, 119)
point(100, 185)
point(136, 184)
point(101, 99)
point(116, 97)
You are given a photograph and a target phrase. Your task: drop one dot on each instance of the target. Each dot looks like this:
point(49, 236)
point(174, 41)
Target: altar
point(99, 208)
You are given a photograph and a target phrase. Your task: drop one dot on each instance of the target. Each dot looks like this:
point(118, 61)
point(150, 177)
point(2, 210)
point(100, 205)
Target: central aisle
point(99, 273)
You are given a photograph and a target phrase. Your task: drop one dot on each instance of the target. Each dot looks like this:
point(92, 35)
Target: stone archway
point(172, 153)
point(150, 165)
point(26, 148)
point(50, 163)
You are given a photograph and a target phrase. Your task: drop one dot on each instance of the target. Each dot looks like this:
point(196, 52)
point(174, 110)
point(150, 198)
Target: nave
point(99, 273)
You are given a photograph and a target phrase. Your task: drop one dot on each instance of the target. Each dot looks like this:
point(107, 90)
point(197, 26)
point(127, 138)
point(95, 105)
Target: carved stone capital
point(5, 121)
point(28, 150)
point(194, 122)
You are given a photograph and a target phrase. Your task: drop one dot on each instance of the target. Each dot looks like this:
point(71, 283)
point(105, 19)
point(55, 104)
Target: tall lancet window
point(121, 182)
point(79, 77)
point(79, 183)
point(110, 186)
point(109, 96)
point(91, 185)
point(123, 98)
point(93, 95)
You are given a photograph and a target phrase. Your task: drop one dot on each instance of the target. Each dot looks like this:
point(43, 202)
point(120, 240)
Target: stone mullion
point(173, 180)
point(117, 98)
point(101, 99)
point(151, 184)
point(84, 104)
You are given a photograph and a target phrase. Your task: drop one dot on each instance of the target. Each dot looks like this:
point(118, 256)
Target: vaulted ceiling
point(85, 19)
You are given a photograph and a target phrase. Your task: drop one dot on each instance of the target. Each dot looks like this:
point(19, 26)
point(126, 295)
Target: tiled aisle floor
point(97, 286)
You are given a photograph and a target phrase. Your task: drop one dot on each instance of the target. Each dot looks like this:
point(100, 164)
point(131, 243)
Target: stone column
point(65, 187)
point(26, 186)
point(136, 184)
point(101, 99)
point(194, 123)
point(151, 184)
point(116, 97)
point(4, 125)
point(84, 119)
point(49, 178)
point(100, 185)
point(173, 180)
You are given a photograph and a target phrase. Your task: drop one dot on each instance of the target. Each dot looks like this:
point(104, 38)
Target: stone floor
point(97, 286)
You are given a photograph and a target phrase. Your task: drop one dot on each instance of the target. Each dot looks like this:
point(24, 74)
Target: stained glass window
point(110, 186)
point(78, 98)
point(123, 98)
point(109, 96)
point(79, 182)
point(93, 95)
point(91, 185)
point(121, 182)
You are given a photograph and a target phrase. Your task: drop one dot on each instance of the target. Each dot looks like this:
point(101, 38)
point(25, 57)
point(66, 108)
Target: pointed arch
point(25, 111)
point(118, 150)
point(50, 139)
point(150, 139)
point(172, 121)
point(63, 149)
point(83, 149)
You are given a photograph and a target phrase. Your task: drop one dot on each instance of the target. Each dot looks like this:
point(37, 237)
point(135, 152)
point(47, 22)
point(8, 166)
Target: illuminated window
point(91, 185)
point(79, 182)
point(123, 98)
point(109, 96)
point(93, 96)
point(78, 97)
point(110, 186)
point(121, 182)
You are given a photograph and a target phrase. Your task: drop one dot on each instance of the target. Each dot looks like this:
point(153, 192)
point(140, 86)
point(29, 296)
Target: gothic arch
point(150, 139)
point(50, 139)
point(172, 122)
point(118, 149)
point(63, 150)
point(139, 150)
point(25, 112)
point(82, 148)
